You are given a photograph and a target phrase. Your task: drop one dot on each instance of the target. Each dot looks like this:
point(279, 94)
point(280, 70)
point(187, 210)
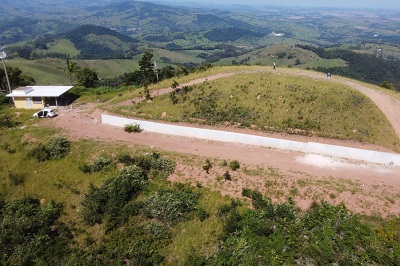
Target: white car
point(46, 112)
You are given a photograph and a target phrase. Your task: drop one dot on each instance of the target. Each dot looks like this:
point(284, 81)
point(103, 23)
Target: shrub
point(6, 121)
point(246, 192)
point(7, 147)
point(54, 149)
point(387, 85)
point(40, 153)
point(31, 233)
point(234, 165)
point(207, 166)
point(149, 161)
point(170, 206)
point(58, 147)
point(97, 165)
point(139, 244)
point(227, 175)
point(107, 202)
point(164, 165)
point(133, 128)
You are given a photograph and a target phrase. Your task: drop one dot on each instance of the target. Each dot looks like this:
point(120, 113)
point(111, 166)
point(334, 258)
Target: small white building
point(37, 97)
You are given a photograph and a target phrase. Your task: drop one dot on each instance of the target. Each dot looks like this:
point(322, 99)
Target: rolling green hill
point(276, 101)
point(53, 71)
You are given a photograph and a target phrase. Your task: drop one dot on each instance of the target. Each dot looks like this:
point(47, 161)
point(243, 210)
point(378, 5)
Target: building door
point(28, 102)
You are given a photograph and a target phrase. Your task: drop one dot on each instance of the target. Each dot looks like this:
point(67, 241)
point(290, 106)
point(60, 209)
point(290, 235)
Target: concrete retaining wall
point(306, 147)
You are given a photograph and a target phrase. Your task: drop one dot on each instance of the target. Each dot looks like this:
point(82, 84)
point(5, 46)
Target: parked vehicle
point(46, 112)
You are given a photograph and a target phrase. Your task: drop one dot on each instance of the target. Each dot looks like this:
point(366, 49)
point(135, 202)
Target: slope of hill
point(96, 42)
point(274, 101)
point(197, 35)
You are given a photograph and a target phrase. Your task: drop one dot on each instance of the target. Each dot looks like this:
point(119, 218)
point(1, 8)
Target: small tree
point(147, 68)
point(87, 77)
point(72, 68)
point(234, 165)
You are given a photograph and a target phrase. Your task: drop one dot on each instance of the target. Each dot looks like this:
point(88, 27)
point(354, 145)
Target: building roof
point(39, 91)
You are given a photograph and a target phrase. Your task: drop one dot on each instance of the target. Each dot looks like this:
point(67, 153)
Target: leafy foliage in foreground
point(30, 233)
point(277, 234)
point(107, 202)
point(138, 218)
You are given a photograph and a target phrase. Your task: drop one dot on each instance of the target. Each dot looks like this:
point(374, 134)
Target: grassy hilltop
point(272, 101)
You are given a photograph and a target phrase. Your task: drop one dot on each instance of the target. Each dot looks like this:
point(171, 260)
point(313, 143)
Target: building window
point(37, 100)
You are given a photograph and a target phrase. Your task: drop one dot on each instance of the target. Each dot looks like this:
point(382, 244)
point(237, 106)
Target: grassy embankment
point(281, 101)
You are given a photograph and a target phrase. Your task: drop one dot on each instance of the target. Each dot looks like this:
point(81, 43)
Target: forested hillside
point(366, 67)
point(189, 36)
point(95, 42)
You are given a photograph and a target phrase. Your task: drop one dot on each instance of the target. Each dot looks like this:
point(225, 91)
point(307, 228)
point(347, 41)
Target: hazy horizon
point(383, 4)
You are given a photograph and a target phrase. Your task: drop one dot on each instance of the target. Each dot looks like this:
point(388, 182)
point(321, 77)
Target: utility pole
point(3, 56)
point(155, 69)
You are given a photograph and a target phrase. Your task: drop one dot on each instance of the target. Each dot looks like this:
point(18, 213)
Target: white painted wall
point(306, 147)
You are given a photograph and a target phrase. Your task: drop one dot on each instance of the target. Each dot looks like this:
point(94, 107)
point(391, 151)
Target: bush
point(207, 166)
point(133, 128)
point(170, 206)
point(388, 85)
point(6, 121)
point(234, 165)
point(149, 161)
point(7, 147)
point(227, 175)
point(107, 202)
point(58, 148)
point(31, 233)
point(97, 165)
point(55, 149)
point(40, 153)
point(139, 244)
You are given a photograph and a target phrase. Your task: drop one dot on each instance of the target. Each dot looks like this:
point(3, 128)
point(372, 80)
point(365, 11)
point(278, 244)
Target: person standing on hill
point(274, 65)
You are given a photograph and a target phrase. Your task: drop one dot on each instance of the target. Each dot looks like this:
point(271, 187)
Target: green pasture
point(53, 71)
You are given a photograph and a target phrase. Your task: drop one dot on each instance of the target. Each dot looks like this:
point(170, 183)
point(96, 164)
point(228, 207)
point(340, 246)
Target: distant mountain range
point(122, 29)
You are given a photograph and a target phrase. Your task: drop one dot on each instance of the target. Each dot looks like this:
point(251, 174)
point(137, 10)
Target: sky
point(386, 4)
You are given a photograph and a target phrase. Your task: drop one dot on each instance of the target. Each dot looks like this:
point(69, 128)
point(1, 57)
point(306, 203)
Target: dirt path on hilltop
point(388, 105)
point(170, 89)
point(377, 186)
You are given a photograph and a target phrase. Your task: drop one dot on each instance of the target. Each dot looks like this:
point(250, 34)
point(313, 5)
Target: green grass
point(63, 46)
point(187, 240)
point(51, 71)
point(286, 102)
point(268, 55)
